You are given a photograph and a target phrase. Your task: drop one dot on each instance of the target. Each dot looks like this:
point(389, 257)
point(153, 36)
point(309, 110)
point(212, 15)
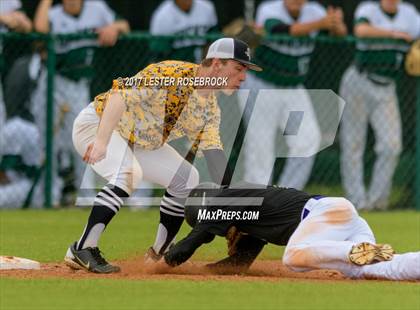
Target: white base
point(13, 262)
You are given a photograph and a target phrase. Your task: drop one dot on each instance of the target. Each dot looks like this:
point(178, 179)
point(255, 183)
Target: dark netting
point(22, 155)
point(327, 64)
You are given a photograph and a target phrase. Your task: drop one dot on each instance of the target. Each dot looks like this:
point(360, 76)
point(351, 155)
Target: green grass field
point(45, 235)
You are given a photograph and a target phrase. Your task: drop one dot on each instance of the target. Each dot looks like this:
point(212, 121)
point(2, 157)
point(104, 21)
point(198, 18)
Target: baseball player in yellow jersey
point(123, 134)
point(74, 70)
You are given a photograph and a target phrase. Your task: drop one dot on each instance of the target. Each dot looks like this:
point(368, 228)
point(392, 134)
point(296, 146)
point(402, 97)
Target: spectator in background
point(11, 19)
point(369, 89)
point(286, 65)
point(20, 168)
point(74, 68)
point(182, 17)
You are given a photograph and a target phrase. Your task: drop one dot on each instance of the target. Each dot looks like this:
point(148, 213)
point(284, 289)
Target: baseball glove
point(412, 60)
point(239, 29)
point(233, 236)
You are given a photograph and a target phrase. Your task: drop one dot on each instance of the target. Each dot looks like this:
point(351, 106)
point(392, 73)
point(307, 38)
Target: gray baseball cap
point(229, 48)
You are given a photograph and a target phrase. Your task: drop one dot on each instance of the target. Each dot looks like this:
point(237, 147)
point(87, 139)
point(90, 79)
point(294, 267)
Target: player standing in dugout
point(369, 87)
point(123, 135)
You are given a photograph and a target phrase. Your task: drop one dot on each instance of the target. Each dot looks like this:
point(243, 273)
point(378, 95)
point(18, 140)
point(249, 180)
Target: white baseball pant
point(22, 138)
point(126, 165)
point(367, 102)
point(2, 119)
point(323, 240)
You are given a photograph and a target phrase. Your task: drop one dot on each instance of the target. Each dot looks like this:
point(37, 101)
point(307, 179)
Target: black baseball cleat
point(89, 259)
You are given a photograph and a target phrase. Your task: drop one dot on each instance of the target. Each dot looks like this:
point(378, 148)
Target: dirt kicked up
point(134, 269)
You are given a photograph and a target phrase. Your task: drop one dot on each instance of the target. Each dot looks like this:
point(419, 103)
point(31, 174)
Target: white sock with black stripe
point(107, 203)
point(171, 218)
point(172, 206)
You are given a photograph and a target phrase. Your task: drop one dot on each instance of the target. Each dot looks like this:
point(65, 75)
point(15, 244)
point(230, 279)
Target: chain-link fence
point(374, 159)
point(22, 155)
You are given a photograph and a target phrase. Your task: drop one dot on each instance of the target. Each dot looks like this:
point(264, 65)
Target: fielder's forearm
point(25, 24)
point(185, 248)
point(16, 21)
point(5, 20)
point(365, 30)
point(110, 117)
point(247, 250)
point(122, 26)
point(304, 29)
point(340, 30)
point(41, 20)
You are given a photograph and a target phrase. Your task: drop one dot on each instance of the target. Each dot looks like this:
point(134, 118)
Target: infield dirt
point(134, 269)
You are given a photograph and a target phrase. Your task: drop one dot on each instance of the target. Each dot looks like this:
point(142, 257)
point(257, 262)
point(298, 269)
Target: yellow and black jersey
point(162, 105)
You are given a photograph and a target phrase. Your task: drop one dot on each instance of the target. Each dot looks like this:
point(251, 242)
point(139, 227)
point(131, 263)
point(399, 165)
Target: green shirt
point(285, 61)
point(77, 63)
point(383, 58)
point(181, 48)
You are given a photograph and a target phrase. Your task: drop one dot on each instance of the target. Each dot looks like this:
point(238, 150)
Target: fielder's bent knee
point(194, 178)
point(136, 176)
point(185, 179)
point(128, 178)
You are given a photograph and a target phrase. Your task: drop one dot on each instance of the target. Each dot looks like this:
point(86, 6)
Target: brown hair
point(208, 61)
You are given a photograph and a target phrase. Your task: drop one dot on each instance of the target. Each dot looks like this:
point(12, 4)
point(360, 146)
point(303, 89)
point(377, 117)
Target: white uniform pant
point(22, 138)
point(17, 137)
point(13, 194)
point(2, 119)
point(367, 102)
point(126, 165)
point(323, 240)
point(260, 155)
